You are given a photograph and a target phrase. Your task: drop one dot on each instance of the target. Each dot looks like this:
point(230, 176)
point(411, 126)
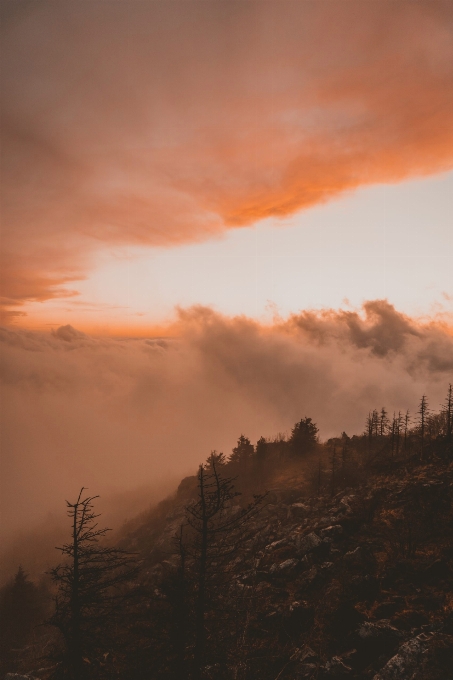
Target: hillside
point(357, 585)
point(341, 567)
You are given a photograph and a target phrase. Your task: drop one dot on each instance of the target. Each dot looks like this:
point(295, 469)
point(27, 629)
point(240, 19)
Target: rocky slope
point(358, 585)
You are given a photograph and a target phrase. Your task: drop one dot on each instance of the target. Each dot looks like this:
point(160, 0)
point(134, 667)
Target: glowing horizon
point(280, 171)
point(153, 131)
point(321, 258)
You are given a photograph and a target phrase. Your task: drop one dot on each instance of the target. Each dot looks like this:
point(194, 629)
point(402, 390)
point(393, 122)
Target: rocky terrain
point(319, 581)
point(358, 585)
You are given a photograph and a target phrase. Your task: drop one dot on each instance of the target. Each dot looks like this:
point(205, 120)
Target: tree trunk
point(75, 646)
point(201, 596)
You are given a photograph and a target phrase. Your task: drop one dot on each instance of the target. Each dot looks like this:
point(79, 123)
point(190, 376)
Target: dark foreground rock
point(424, 657)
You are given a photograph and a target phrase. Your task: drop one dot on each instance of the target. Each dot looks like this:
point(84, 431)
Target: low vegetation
point(290, 559)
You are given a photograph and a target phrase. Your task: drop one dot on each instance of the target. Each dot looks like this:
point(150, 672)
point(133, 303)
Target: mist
point(128, 418)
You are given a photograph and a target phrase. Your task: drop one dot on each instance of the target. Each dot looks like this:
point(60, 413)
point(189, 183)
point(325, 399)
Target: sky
point(217, 217)
point(228, 153)
point(390, 242)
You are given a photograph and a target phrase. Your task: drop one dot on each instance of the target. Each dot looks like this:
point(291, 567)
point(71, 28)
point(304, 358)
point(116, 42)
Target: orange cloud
point(163, 123)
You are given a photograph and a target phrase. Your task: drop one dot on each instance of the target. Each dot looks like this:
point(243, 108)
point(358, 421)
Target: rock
point(364, 587)
point(308, 577)
point(388, 608)
point(335, 668)
point(263, 586)
point(418, 657)
point(382, 628)
point(305, 544)
point(377, 638)
point(305, 671)
point(299, 509)
point(284, 568)
point(354, 555)
point(326, 566)
point(306, 654)
point(409, 619)
point(288, 565)
point(332, 531)
point(325, 522)
point(276, 544)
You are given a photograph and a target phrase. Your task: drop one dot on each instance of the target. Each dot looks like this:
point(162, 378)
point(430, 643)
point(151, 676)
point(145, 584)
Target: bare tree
point(88, 583)
point(422, 422)
point(407, 420)
point(217, 530)
point(383, 422)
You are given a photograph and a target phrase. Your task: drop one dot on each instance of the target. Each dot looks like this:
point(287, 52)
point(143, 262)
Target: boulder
point(276, 544)
point(284, 568)
point(374, 639)
point(422, 657)
point(335, 668)
point(332, 531)
point(299, 510)
point(306, 544)
point(354, 555)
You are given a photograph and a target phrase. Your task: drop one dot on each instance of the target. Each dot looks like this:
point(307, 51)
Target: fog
point(129, 418)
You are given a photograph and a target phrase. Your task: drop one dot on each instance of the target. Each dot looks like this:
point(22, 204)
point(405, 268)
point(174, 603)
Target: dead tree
point(422, 422)
point(407, 419)
point(88, 583)
point(383, 422)
point(217, 531)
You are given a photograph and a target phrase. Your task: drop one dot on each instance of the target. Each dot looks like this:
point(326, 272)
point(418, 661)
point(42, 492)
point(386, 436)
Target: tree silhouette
point(217, 525)
point(242, 452)
point(448, 410)
point(422, 422)
point(304, 436)
point(88, 597)
point(21, 609)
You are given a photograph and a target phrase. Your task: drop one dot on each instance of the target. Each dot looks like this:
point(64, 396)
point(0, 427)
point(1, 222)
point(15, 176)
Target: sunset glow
point(218, 217)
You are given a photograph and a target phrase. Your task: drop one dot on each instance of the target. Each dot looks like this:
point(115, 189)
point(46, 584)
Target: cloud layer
point(161, 123)
point(114, 415)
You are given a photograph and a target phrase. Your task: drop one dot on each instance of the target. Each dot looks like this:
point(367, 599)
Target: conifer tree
point(406, 428)
point(448, 410)
point(242, 453)
point(21, 610)
point(422, 422)
point(304, 436)
point(383, 422)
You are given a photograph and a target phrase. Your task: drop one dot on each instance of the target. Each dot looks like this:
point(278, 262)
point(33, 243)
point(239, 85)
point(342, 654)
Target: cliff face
point(355, 585)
